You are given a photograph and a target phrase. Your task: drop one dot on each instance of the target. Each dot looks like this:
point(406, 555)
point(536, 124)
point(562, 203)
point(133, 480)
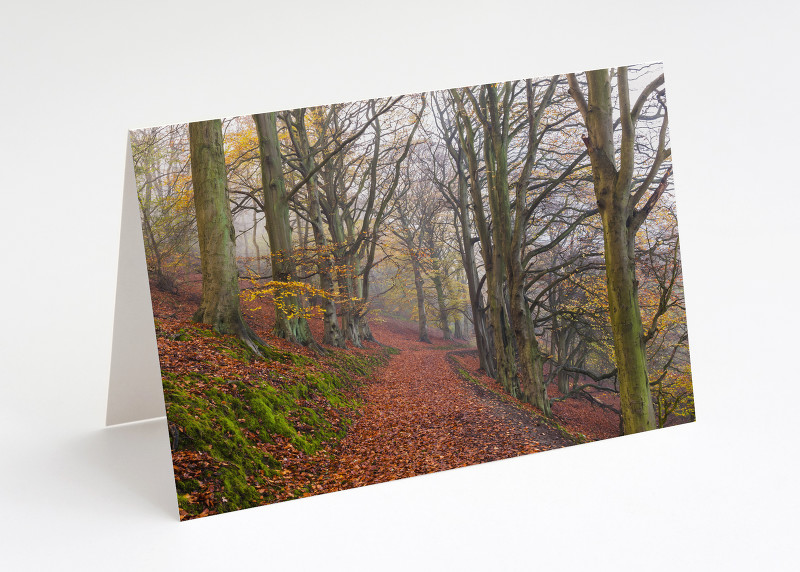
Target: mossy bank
point(239, 422)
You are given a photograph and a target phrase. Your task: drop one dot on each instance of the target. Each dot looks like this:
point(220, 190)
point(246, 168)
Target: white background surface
point(718, 494)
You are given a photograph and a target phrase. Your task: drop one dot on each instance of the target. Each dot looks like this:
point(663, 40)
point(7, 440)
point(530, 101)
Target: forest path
point(421, 416)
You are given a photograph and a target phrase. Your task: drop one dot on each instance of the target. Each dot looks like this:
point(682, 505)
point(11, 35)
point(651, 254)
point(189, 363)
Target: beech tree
point(617, 201)
point(290, 324)
point(504, 359)
point(296, 124)
point(506, 238)
point(219, 306)
point(459, 200)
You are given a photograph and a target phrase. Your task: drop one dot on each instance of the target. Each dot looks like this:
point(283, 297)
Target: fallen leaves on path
point(420, 417)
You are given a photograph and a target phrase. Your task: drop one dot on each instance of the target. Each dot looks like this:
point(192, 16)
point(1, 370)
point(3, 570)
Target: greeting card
point(354, 293)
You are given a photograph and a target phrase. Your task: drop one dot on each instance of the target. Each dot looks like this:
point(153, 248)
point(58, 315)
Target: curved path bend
point(420, 416)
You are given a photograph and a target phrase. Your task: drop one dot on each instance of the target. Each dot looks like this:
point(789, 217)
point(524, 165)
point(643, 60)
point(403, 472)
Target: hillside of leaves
point(238, 421)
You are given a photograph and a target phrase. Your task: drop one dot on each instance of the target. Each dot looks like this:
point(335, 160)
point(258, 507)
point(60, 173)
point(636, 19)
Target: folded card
point(354, 293)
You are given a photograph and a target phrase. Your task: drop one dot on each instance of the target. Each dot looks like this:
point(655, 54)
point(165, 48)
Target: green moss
point(299, 360)
point(186, 486)
point(185, 504)
point(233, 420)
point(237, 491)
point(360, 365)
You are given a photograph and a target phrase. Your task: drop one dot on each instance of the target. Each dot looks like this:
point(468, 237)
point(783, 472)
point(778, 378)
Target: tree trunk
point(558, 345)
point(332, 334)
point(289, 324)
point(361, 279)
point(495, 149)
point(343, 254)
point(612, 188)
point(441, 302)
point(484, 328)
point(531, 364)
point(259, 265)
point(220, 298)
point(626, 325)
point(561, 357)
point(505, 357)
point(423, 321)
point(348, 284)
point(348, 289)
point(458, 332)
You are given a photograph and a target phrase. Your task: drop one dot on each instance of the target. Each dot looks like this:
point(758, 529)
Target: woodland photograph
point(354, 293)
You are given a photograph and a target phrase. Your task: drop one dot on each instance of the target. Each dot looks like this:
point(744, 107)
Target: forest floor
point(421, 415)
point(427, 408)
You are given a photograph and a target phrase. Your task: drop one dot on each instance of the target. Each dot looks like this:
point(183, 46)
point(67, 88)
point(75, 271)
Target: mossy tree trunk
point(339, 247)
point(495, 121)
point(219, 306)
point(289, 322)
point(617, 201)
point(350, 282)
point(626, 325)
point(495, 238)
point(508, 232)
point(470, 268)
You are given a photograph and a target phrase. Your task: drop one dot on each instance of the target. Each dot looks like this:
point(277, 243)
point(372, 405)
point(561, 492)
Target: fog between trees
point(535, 216)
